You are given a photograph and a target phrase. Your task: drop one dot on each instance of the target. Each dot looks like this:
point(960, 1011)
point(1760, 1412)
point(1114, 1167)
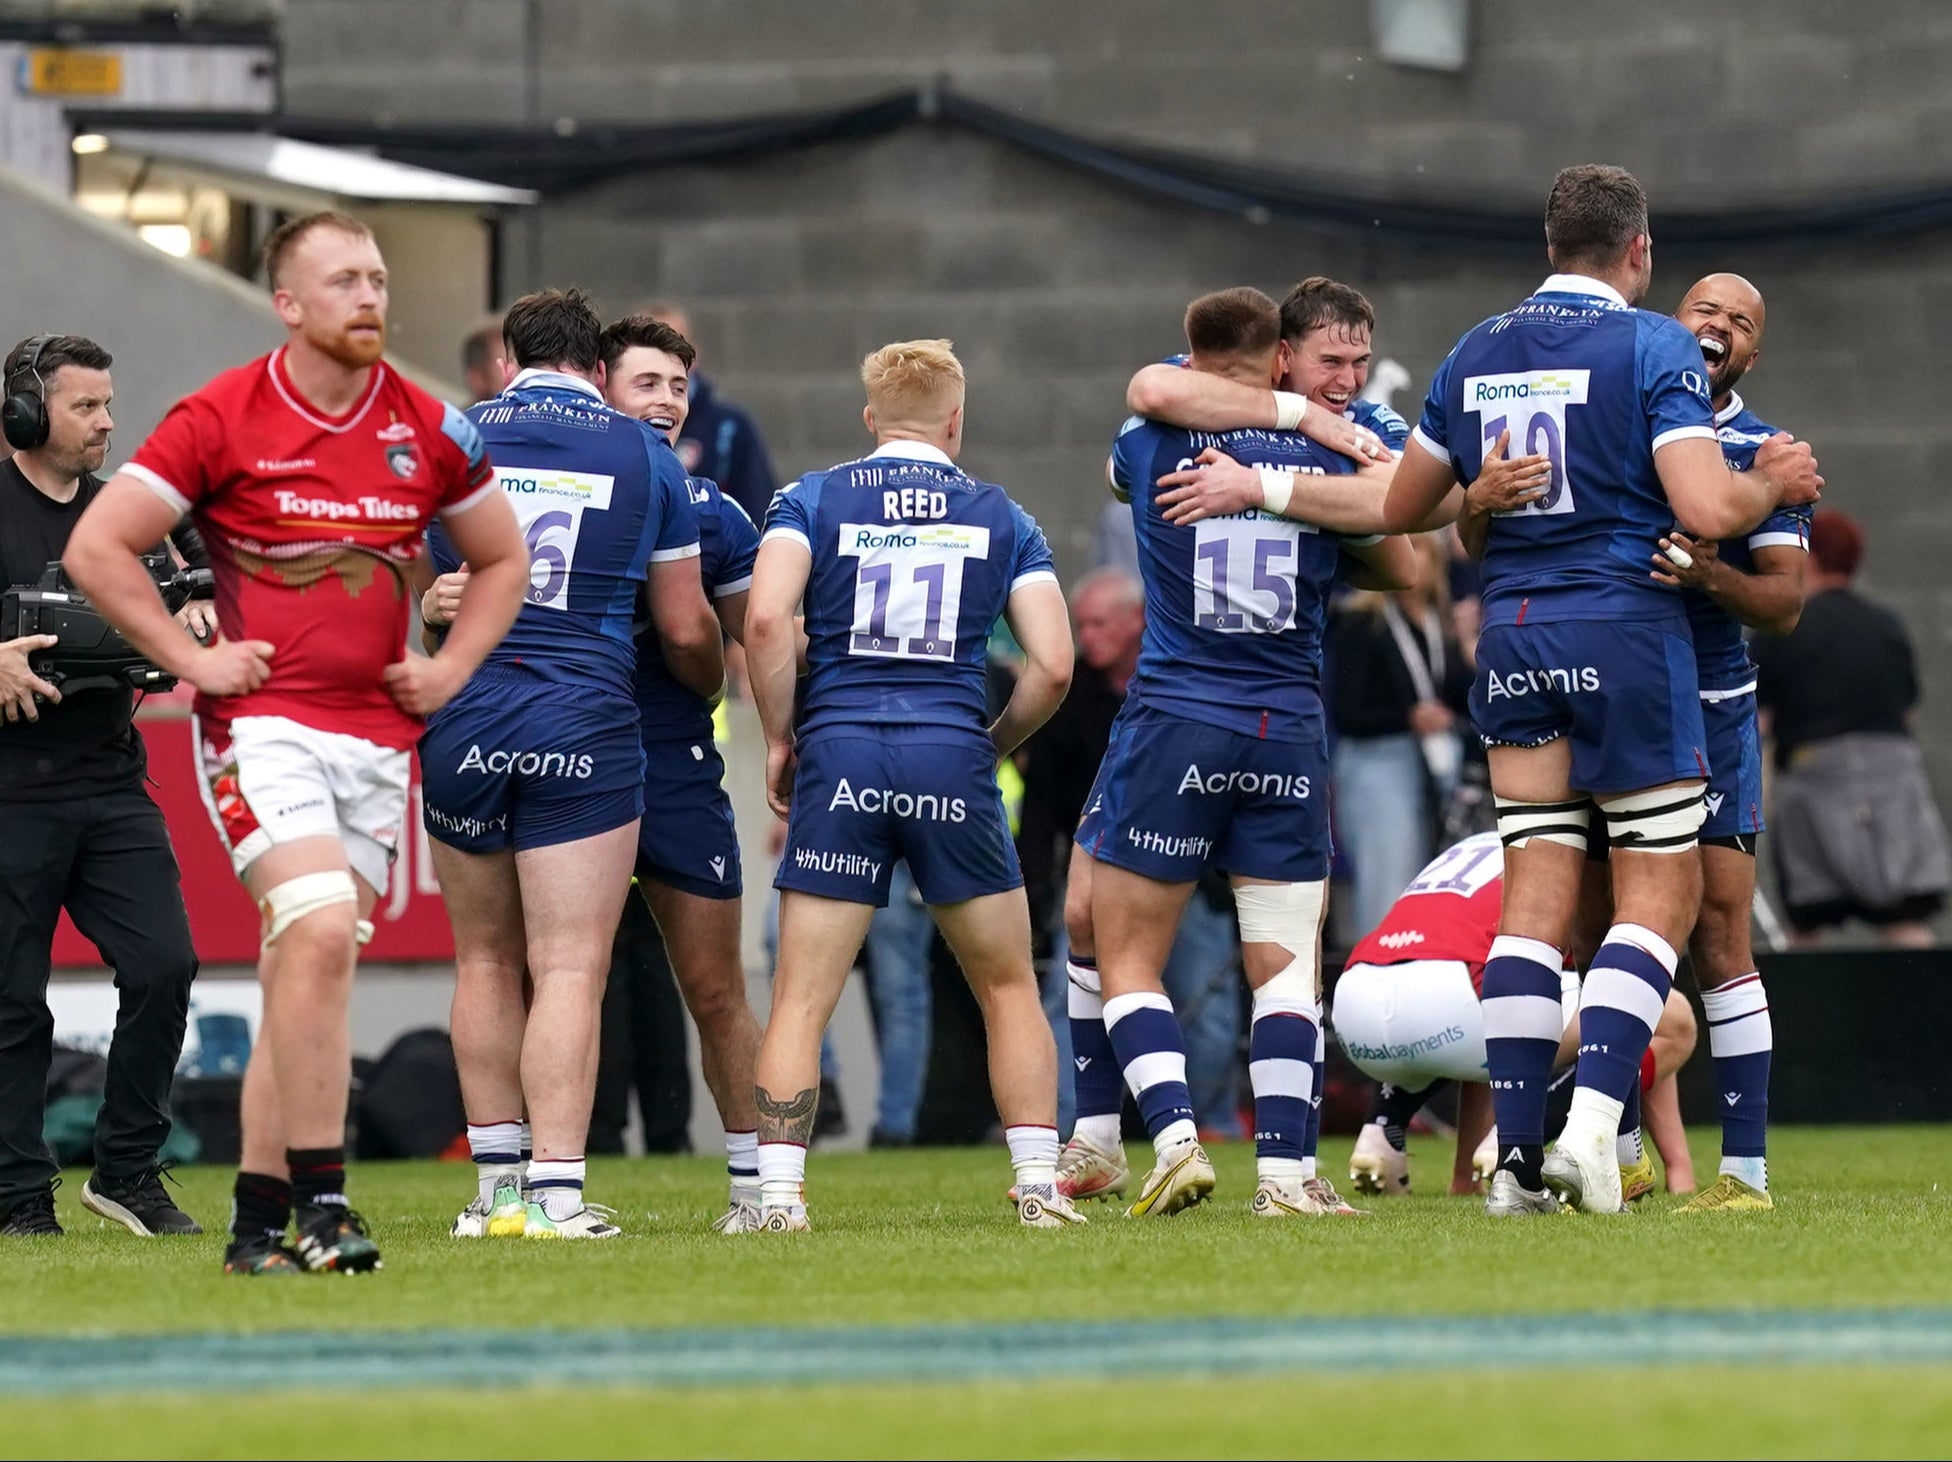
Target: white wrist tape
point(1290, 410)
point(1277, 488)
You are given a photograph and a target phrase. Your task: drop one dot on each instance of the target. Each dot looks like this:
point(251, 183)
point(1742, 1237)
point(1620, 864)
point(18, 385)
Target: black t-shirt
point(87, 743)
point(1847, 666)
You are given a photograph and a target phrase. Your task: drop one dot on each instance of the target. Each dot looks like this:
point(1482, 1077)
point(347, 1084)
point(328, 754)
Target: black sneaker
point(139, 1203)
point(334, 1237)
point(265, 1253)
point(31, 1215)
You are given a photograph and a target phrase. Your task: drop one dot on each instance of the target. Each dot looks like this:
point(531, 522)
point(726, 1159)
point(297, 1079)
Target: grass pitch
point(923, 1239)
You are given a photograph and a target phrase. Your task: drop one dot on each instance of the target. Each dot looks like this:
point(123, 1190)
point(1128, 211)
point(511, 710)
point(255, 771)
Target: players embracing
point(1588, 687)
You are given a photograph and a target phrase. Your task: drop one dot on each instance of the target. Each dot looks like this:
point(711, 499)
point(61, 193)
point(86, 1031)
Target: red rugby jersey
point(310, 520)
point(1449, 911)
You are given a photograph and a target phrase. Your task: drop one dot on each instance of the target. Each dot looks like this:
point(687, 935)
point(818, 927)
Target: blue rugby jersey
point(1578, 374)
point(727, 544)
point(1234, 606)
point(1720, 652)
point(599, 495)
point(914, 562)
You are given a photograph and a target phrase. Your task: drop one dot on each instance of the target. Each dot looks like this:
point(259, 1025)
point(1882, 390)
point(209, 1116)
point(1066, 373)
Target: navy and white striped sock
point(1152, 1052)
point(1523, 1021)
point(1281, 1066)
point(1095, 1074)
point(1741, 1040)
point(557, 1185)
point(1619, 1005)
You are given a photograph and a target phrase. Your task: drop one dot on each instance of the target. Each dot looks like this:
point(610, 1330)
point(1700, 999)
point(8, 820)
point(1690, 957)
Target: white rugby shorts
point(268, 780)
point(1420, 1021)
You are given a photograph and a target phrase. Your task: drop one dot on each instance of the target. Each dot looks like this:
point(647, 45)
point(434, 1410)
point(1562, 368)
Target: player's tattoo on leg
point(786, 1121)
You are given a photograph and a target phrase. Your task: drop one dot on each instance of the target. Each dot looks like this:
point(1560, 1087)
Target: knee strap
point(1664, 821)
point(293, 899)
point(1290, 915)
point(1550, 822)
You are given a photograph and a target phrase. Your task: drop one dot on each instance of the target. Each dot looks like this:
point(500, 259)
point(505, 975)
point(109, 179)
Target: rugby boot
point(1728, 1194)
point(1181, 1178)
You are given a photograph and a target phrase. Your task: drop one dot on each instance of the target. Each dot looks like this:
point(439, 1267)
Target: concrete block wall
point(1054, 285)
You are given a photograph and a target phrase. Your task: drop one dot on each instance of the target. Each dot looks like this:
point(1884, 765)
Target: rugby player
point(1586, 671)
point(905, 563)
point(311, 475)
point(534, 775)
point(687, 846)
point(1323, 359)
point(1754, 580)
point(1407, 1012)
point(1219, 756)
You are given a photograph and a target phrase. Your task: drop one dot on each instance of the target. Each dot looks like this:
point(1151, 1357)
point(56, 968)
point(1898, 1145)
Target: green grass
point(923, 1238)
point(1797, 1413)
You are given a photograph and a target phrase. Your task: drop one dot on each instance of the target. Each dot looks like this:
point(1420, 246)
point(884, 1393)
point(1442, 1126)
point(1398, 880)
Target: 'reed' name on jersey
point(914, 561)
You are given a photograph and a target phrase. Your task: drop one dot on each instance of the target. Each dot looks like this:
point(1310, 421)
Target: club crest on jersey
point(403, 458)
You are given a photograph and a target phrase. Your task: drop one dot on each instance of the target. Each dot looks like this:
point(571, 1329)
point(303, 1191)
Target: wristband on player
point(1290, 410)
point(1277, 487)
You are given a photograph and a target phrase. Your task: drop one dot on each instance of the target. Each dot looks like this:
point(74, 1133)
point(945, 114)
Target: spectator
point(1398, 701)
point(1856, 831)
point(1202, 976)
point(720, 439)
point(481, 360)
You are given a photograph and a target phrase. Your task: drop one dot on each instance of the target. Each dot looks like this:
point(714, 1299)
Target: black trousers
point(643, 1043)
point(107, 860)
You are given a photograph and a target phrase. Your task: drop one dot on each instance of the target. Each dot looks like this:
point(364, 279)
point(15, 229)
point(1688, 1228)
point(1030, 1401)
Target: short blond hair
point(913, 382)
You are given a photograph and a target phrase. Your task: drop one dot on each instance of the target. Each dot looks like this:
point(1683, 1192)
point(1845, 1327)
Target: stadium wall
point(1054, 285)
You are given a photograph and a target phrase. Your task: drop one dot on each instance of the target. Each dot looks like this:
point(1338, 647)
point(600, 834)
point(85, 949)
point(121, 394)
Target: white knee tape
point(293, 899)
point(1549, 822)
point(1667, 820)
point(1292, 992)
point(1290, 915)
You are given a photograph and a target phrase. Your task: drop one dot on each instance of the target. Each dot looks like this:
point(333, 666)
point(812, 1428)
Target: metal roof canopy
point(281, 172)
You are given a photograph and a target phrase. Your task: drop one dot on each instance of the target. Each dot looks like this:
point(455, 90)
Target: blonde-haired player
point(904, 563)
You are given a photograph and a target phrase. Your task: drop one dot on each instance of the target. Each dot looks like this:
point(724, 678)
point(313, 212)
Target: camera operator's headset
point(24, 414)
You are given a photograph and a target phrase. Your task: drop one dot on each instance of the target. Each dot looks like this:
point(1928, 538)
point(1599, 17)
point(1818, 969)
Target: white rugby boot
point(1375, 1166)
point(1036, 1211)
point(1583, 1169)
point(591, 1221)
point(783, 1220)
point(1508, 1199)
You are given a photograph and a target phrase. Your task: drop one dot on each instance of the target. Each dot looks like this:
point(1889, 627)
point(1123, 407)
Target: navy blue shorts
point(862, 799)
point(1622, 693)
point(687, 839)
point(516, 762)
point(1174, 795)
point(1734, 799)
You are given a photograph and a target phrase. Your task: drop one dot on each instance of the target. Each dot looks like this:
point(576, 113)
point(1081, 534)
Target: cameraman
point(78, 830)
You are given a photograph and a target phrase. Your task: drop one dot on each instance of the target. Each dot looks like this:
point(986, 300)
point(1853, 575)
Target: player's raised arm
point(1200, 401)
point(1218, 486)
point(1039, 618)
point(104, 558)
point(1712, 501)
point(1424, 494)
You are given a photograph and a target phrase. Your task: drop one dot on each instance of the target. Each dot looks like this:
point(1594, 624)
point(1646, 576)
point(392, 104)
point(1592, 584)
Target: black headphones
point(24, 414)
